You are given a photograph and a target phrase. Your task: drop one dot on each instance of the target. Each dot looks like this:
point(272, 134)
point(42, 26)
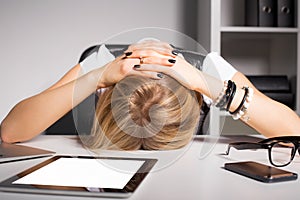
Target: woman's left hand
point(176, 67)
point(161, 58)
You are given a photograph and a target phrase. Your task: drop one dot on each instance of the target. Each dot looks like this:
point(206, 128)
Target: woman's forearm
point(272, 118)
point(267, 116)
point(207, 84)
point(33, 115)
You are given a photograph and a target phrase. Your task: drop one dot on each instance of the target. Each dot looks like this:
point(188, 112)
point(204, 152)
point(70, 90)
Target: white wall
point(41, 39)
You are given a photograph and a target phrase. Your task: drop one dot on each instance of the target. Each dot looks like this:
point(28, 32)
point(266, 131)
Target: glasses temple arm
point(245, 145)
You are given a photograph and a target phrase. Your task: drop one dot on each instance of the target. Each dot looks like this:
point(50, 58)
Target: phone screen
point(260, 171)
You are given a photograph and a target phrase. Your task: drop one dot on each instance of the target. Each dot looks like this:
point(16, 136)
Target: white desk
point(179, 174)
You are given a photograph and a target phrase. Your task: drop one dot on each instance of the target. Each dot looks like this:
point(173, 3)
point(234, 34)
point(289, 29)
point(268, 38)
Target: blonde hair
point(142, 113)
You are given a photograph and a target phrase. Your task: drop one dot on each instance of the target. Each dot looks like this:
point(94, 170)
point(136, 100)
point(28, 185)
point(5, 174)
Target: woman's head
point(142, 113)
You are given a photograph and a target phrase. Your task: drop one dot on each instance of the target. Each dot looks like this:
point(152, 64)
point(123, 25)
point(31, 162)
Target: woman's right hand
point(115, 71)
point(123, 65)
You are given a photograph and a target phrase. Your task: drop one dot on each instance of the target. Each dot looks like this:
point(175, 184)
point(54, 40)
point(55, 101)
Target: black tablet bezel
point(8, 186)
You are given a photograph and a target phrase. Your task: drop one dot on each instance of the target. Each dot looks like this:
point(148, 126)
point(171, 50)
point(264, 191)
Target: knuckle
point(123, 68)
point(149, 52)
point(167, 46)
point(149, 60)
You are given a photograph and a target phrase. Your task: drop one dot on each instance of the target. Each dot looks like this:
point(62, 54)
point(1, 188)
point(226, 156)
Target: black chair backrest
point(68, 126)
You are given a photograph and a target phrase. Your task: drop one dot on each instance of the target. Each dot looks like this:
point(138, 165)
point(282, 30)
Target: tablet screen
point(89, 173)
point(82, 175)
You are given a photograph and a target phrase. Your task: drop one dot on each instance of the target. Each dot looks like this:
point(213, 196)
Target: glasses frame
point(269, 144)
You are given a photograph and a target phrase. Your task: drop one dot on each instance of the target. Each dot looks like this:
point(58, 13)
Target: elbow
point(7, 139)
point(7, 133)
point(11, 132)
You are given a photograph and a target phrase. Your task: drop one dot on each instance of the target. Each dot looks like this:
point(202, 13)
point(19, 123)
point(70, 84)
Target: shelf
point(252, 50)
point(244, 29)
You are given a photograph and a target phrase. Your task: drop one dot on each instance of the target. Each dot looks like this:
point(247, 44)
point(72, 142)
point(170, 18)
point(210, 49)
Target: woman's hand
point(135, 55)
point(164, 60)
point(115, 71)
point(181, 70)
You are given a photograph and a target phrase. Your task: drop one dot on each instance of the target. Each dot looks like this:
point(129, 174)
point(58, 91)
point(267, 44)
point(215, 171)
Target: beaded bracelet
point(249, 98)
point(221, 95)
point(224, 97)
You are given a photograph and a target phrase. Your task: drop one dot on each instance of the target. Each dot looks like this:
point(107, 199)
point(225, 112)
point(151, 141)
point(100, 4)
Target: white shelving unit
point(243, 29)
point(252, 50)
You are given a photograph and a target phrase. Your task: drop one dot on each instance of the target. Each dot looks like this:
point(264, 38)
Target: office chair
point(66, 124)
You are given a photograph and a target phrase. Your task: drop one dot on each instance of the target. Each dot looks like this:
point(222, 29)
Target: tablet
point(82, 176)
point(14, 152)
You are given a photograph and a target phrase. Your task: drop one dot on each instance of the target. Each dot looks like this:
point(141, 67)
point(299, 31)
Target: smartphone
point(260, 172)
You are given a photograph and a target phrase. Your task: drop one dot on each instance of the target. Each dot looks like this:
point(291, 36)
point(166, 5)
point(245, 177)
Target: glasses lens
point(281, 153)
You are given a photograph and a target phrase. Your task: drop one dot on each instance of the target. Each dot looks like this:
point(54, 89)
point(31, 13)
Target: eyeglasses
point(281, 150)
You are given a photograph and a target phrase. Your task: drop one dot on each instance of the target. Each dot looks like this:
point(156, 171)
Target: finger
point(149, 51)
point(151, 68)
point(166, 61)
point(130, 61)
point(125, 65)
point(148, 74)
point(152, 43)
point(149, 57)
point(160, 47)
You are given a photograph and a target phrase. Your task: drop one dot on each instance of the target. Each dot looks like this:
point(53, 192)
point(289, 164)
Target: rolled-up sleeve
point(97, 59)
point(218, 67)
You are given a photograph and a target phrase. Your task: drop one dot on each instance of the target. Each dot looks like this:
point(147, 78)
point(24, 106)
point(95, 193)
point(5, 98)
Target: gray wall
point(41, 39)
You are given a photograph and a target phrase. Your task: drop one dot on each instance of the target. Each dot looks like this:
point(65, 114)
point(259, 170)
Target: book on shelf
point(260, 13)
point(270, 13)
point(277, 87)
point(285, 13)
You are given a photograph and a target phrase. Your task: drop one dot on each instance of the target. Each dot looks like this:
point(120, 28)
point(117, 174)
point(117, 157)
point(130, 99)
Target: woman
point(143, 113)
point(151, 59)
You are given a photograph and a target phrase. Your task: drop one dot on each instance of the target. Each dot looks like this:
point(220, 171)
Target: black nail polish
point(160, 75)
point(172, 61)
point(128, 53)
point(137, 66)
point(175, 53)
